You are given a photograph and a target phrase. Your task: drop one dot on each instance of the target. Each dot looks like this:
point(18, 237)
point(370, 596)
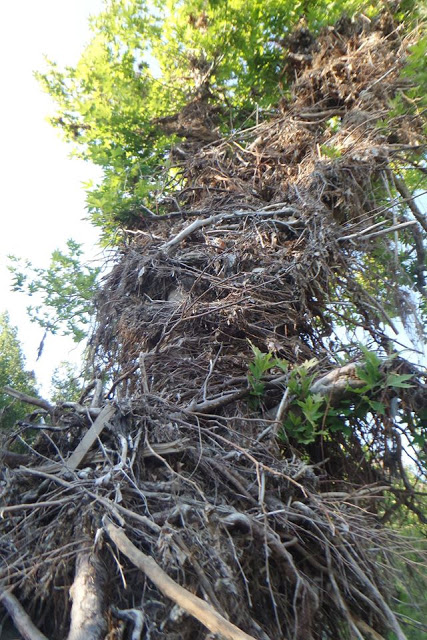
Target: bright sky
point(42, 198)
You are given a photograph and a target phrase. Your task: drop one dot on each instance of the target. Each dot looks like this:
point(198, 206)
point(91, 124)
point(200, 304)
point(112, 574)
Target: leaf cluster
point(310, 415)
point(66, 290)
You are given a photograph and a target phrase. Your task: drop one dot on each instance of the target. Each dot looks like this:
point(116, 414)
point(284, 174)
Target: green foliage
point(66, 289)
point(261, 364)
point(412, 99)
point(310, 415)
point(305, 417)
point(13, 374)
point(330, 151)
point(146, 60)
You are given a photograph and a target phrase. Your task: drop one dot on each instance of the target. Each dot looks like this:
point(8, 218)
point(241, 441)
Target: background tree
point(13, 374)
point(67, 383)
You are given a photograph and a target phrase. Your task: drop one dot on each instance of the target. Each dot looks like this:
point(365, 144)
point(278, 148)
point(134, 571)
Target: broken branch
point(24, 397)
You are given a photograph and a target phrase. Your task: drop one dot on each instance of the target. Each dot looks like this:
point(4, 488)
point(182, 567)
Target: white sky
point(42, 198)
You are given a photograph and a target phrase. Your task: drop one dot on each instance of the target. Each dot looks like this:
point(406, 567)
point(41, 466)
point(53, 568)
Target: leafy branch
point(66, 289)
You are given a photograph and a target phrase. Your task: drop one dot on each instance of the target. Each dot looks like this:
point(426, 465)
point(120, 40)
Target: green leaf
point(378, 407)
point(399, 380)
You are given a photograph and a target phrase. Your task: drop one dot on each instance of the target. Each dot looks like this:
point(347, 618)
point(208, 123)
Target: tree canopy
point(147, 60)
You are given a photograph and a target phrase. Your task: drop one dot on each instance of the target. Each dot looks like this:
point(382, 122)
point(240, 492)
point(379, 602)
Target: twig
point(90, 437)
point(231, 477)
point(80, 408)
point(203, 222)
point(394, 227)
point(41, 427)
point(115, 508)
point(12, 459)
point(86, 391)
point(282, 406)
point(147, 211)
point(197, 224)
point(212, 364)
point(216, 403)
point(367, 629)
point(132, 615)
point(125, 375)
point(193, 605)
point(31, 505)
point(376, 595)
point(86, 443)
point(386, 181)
point(144, 383)
point(97, 395)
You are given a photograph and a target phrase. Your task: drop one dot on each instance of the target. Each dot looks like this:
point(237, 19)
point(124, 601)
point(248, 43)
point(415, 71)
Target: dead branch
point(373, 591)
point(90, 437)
point(365, 236)
point(86, 443)
point(93, 412)
point(220, 217)
point(338, 381)
point(20, 617)
point(409, 199)
point(24, 397)
point(114, 508)
point(366, 629)
point(12, 459)
point(120, 379)
point(32, 505)
point(216, 403)
point(96, 401)
point(135, 616)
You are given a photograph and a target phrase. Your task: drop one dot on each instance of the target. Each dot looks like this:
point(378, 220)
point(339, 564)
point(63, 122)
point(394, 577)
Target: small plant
point(304, 420)
point(334, 124)
point(330, 151)
point(310, 415)
point(262, 363)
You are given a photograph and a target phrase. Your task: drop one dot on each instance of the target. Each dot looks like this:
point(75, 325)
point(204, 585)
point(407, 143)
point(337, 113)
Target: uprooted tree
point(253, 429)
